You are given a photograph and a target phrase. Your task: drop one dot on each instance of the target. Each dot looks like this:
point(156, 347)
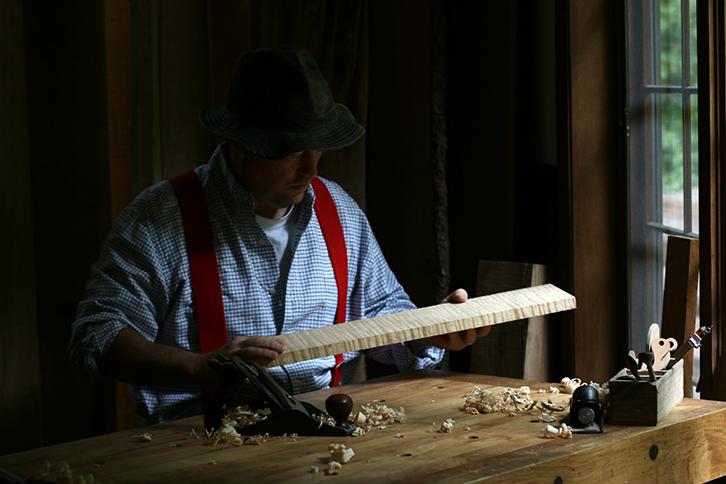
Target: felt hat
point(278, 103)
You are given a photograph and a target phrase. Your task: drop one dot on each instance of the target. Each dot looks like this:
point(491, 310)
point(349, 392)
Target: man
point(140, 318)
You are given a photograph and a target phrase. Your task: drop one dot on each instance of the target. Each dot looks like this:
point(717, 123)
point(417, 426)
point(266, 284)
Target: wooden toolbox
point(644, 402)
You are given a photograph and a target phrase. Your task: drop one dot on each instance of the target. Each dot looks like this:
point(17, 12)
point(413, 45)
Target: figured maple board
point(424, 322)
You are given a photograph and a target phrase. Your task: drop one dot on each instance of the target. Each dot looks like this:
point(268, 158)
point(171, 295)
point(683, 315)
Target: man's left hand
point(452, 341)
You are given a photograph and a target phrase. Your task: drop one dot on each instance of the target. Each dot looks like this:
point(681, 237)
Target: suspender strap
point(335, 242)
point(206, 286)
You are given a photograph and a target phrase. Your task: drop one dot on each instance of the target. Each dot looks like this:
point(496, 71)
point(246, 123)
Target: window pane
point(669, 41)
point(670, 154)
point(694, 163)
point(692, 43)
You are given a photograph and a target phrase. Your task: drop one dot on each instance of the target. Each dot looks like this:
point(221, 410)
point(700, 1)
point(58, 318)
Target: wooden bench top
point(686, 446)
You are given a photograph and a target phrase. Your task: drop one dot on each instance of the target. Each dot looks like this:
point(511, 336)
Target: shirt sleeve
point(376, 292)
point(126, 289)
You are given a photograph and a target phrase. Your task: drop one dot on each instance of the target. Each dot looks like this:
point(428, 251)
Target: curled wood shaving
point(564, 431)
point(570, 384)
point(144, 437)
point(377, 416)
point(340, 452)
point(446, 426)
point(334, 468)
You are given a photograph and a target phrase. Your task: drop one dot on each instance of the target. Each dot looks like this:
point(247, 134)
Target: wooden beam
point(680, 298)
point(424, 322)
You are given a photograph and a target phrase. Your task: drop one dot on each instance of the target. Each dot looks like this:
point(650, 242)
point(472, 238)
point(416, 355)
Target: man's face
point(275, 184)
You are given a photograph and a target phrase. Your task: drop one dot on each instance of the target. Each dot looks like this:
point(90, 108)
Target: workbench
point(686, 446)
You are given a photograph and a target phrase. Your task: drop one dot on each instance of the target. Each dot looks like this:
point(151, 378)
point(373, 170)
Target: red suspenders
point(335, 242)
point(206, 288)
point(206, 285)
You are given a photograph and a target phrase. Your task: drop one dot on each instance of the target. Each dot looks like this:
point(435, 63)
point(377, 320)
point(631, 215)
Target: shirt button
point(272, 291)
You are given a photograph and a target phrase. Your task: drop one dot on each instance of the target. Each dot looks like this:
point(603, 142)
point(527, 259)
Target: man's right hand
point(260, 349)
point(134, 359)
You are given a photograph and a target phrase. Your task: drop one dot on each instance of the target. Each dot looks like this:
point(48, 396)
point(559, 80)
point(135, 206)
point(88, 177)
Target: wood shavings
point(239, 416)
point(547, 417)
point(399, 435)
point(258, 439)
point(243, 416)
point(378, 416)
point(570, 384)
point(360, 419)
point(314, 470)
point(144, 437)
point(62, 473)
point(334, 468)
point(554, 390)
point(446, 426)
point(511, 401)
point(552, 406)
point(551, 432)
point(325, 419)
point(340, 452)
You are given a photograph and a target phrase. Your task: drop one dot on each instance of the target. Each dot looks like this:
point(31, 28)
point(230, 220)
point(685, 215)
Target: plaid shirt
point(141, 281)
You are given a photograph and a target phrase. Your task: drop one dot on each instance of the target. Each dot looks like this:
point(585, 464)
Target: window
point(662, 104)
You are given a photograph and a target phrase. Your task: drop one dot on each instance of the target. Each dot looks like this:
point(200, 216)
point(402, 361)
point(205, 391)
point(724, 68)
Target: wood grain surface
point(686, 446)
point(424, 322)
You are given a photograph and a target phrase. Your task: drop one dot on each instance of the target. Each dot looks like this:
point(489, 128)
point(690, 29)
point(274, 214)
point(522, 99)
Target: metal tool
point(633, 366)
point(586, 413)
point(243, 382)
point(646, 358)
point(692, 342)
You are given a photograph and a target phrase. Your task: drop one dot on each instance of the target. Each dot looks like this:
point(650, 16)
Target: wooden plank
point(519, 349)
point(498, 448)
point(680, 298)
point(424, 322)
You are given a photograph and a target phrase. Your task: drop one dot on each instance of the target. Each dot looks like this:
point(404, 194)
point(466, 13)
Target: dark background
point(493, 133)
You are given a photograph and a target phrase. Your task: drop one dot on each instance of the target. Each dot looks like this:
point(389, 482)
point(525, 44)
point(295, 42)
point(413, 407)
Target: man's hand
point(452, 341)
point(134, 359)
point(260, 349)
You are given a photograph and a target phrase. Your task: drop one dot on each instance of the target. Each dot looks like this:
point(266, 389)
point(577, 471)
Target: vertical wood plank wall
point(594, 157)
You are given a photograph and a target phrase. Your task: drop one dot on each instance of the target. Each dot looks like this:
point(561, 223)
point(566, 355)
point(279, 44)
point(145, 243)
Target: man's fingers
point(265, 342)
point(483, 331)
point(458, 296)
point(256, 354)
point(468, 337)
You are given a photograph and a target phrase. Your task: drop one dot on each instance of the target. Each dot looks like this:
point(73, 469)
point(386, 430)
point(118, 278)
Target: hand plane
point(245, 383)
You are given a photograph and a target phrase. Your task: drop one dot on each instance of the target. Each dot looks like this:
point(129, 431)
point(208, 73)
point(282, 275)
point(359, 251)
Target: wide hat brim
point(337, 129)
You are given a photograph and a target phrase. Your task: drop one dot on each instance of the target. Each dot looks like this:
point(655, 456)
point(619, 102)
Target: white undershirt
point(279, 232)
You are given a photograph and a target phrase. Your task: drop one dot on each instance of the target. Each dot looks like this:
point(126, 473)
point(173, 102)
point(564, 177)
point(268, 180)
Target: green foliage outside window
point(670, 73)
